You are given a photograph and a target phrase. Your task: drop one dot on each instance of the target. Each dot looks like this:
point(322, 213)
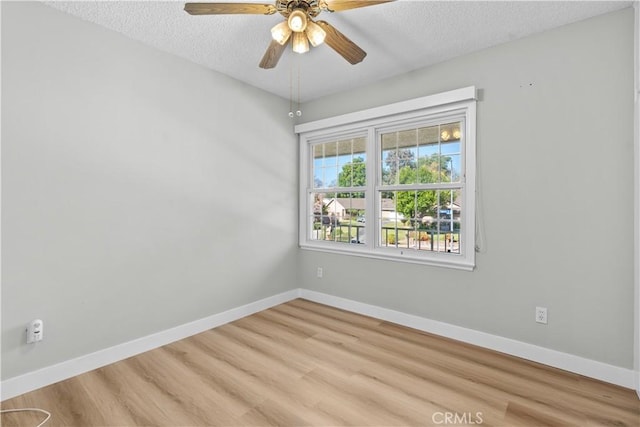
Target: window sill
point(457, 262)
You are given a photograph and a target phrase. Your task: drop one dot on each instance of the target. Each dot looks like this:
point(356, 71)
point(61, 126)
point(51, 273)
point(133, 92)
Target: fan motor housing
point(311, 7)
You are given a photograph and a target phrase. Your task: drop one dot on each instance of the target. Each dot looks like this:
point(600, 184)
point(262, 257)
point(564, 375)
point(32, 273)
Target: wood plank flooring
point(305, 364)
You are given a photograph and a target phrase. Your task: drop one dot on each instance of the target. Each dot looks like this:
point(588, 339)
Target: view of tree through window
point(420, 188)
point(340, 177)
point(419, 193)
point(394, 182)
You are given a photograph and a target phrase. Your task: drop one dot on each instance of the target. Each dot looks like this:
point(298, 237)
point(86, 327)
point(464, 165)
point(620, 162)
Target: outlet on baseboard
point(320, 273)
point(541, 315)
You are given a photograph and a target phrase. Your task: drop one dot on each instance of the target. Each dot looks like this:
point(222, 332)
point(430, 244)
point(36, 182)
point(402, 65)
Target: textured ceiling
point(398, 37)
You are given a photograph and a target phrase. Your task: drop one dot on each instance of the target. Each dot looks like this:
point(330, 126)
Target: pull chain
point(291, 89)
point(298, 112)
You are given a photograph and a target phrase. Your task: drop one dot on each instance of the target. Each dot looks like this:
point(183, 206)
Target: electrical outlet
point(541, 315)
point(35, 331)
point(320, 273)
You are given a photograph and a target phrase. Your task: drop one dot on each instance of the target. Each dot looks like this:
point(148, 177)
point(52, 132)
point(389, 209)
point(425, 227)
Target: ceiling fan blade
point(272, 55)
point(341, 44)
point(340, 5)
point(229, 8)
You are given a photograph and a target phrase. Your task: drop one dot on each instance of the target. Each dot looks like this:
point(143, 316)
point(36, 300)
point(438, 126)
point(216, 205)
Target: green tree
point(395, 161)
point(417, 204)
point(353, 174)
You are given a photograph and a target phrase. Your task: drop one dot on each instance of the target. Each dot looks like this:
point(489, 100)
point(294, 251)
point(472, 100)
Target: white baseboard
point(51, 374)
point(33, 380)
point(568, 362)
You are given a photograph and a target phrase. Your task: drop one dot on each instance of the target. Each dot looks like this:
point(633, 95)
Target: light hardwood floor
point(303, 363)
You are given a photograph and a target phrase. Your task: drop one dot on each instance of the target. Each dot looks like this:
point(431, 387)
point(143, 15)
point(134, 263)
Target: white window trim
point(460, 101)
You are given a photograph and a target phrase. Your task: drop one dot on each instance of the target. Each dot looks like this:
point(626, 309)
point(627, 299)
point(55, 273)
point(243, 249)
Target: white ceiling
point(398, 37)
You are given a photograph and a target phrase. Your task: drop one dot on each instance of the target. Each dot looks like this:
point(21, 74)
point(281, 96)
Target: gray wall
point(555, 184)
point(139, 191)
point(117, 223)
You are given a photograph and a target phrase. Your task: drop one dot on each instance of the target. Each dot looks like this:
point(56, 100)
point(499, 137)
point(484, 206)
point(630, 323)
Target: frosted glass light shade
point(298, 21)
point(315, 33)
point(281, 32)
point(300, 43)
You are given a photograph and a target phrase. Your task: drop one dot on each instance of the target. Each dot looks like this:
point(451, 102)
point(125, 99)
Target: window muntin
point(421, 150)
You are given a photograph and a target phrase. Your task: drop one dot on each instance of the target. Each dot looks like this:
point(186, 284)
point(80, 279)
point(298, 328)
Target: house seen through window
point(395, 187)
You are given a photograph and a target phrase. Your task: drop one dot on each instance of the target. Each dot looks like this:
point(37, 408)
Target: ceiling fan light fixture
point(300, 43)
point(298, 21)
point(315, 33)
point(298, 26)
point(281, 32)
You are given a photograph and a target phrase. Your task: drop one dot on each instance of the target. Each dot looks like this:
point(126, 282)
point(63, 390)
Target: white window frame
point(460, 103)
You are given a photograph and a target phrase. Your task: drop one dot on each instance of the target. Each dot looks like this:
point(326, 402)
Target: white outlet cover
point(35, 331)
point(541, 315)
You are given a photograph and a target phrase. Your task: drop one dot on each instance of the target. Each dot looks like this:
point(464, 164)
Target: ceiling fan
point(298, 26)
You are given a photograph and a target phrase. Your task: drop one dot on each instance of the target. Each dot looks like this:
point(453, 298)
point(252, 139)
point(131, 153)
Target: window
point(339, 188)
point(395, 182)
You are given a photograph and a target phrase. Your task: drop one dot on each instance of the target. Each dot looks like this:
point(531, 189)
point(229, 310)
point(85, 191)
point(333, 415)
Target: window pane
point(318, 166)
point(394, 221)
point(352, 219)
point(340, 163)
point(360, 147)
point(447, 221)
point(398, 164)
point(452, 168)
point(330, 177)
point(339, 219)
point(450, 151)
point(389, 159)
point(451, 132)
point(424, 155)
point(424, 220)
point(428, 140)
point(353, 173)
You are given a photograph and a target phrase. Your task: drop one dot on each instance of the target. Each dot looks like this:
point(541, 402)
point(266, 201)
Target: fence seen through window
point(418, 203)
